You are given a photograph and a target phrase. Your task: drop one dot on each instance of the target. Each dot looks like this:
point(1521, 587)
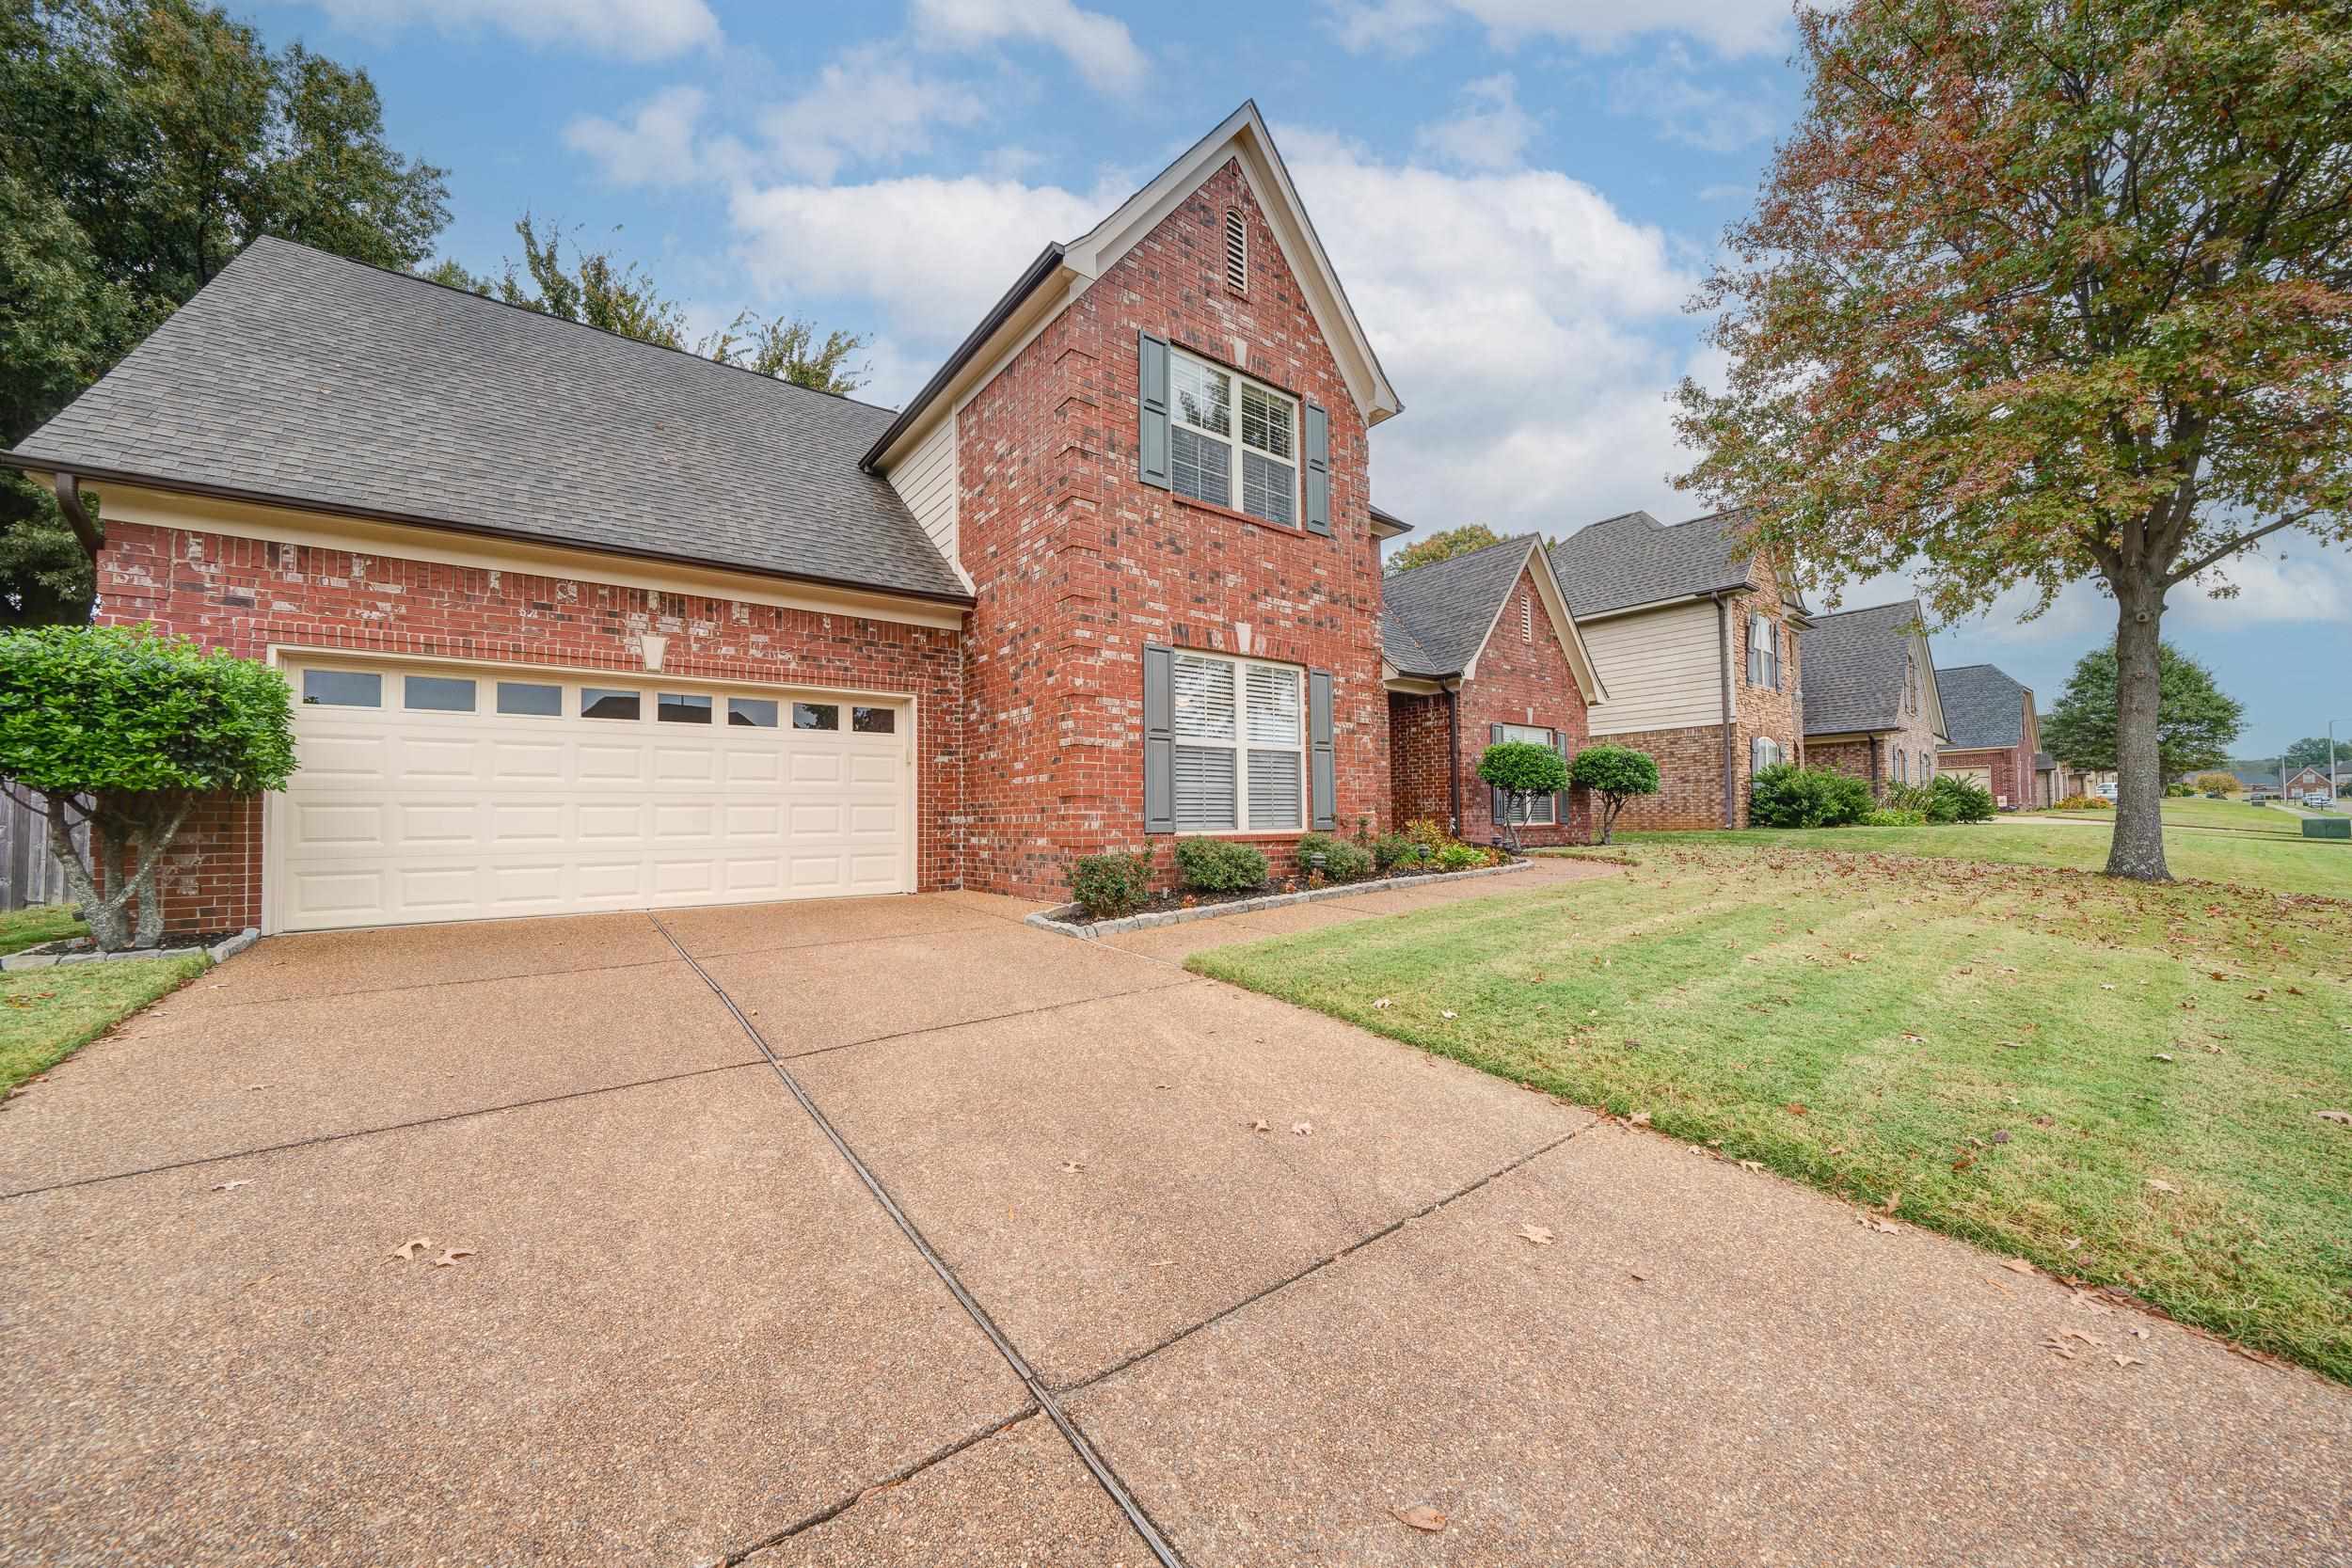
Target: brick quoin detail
point(247, 595)
point(1077, 565)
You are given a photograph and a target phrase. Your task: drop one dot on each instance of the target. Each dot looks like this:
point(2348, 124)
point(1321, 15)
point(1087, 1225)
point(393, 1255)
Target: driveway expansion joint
point(963, 1022)
point(1039, 1394)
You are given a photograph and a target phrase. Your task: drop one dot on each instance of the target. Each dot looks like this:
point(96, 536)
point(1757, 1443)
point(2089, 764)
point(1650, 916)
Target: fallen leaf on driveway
point(1750, 1164)
point(1072, 1167)
point(1641, 1118)
point(1303, 1129)
point(232, 1186)
point(2016, 1265)
point(2129, 1361)
point(1539, 1234)
point(450, 1256)
point(1420, 1516)
point(408, 1251)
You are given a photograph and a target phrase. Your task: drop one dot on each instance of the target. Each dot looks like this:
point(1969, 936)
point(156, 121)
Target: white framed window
point(1540, 811)
point(1902, 767)
point(1764, 652)
point(1241, 745)
point(1231, 441)
point(1762, 753)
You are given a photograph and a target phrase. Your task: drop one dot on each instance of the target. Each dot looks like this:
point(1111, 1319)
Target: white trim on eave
point(1563, 624)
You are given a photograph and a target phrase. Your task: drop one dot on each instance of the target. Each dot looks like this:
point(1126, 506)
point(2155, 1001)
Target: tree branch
point(2224, 551)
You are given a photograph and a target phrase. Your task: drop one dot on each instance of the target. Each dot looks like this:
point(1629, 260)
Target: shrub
point(2178, 791)
point(1894, 819)
point(1109, 886)
point(1522, 769)
point(1910, 797)
point(1391, 850)
point(127, 729)
point(1219, 865)
point(1343, 862)
point(2084, 802)
point(1428, 835)
point(2216, 782)
point(1464, 857)
point(1786, 796)
point(1959, 800)
point(1616, 774)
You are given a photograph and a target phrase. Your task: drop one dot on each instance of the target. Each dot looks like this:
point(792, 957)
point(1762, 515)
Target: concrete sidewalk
point(1274, 1270)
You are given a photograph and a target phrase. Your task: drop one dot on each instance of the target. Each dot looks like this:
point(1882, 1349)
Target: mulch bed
point(1161, 903)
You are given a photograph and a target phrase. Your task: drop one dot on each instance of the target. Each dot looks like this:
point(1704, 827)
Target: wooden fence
point(29, 872)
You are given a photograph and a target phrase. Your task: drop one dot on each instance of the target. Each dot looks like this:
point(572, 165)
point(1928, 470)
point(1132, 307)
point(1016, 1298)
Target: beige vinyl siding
point(1663, 668)
point(925, 480)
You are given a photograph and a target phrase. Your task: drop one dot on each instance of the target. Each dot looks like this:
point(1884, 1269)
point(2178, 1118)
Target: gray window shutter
point(1755, 657)
point(1159, 739)
point(1152, 426)
point(1497, 807)
point(1321, 763)
point(1318, 470)
point(1559, 801)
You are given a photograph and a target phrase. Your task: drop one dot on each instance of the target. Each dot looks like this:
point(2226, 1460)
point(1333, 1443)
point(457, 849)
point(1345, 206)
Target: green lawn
point(48, 1014)
point(23, 928)
point(2236, 816)
point(2287, 865)
point(2015, 1056)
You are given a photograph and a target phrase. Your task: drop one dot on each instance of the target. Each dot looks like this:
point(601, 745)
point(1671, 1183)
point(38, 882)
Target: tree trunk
point(109, 914)
point(2138, 849)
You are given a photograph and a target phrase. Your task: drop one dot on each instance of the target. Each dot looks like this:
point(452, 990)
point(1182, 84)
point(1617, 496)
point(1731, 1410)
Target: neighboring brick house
point(2054, 781)
point(1995, 737)
point(1871, 708)
point(1482, 648)
point(580, 622)
point(1696, 641)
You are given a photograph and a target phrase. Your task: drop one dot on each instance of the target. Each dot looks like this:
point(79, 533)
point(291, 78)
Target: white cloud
point(1403, 27)
point(1492, 131)
point(1667, 90)
point(657, 146)
point(1099, 46)
point(1520, 315)
point(635, 29)
point(933, 254)
point(865, 106)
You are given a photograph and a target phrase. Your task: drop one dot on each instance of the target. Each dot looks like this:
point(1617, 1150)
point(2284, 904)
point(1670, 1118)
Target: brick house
point(1478, 649)
point(1695, 639)
point(1871, 706)
point(1994, 736)
point(580, 622)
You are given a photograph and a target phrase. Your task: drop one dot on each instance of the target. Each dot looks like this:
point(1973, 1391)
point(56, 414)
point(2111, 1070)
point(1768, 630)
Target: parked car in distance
point(2105, 791)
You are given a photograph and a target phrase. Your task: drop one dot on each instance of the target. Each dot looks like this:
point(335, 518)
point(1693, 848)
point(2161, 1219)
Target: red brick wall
point(1420, 741)
point(1852, 758)
point(1078, 564)
point(2012, 771)
point(1519, 681)
point(246, 595)
point(1689, 779)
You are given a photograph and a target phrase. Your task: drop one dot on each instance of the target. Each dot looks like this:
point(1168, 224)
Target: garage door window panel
point(438, 694)
point(599, 701)
point(874, 720)
point(757, 713)
point(343, 688)
point(530, 700)
point(816, 716)
point(676, 707)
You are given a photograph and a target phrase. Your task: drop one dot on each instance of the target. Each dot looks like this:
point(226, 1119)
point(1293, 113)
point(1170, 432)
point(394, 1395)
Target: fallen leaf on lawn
point(2157, 1183)
point(1384, 1002)
point(1540, 1235)
point(1916, 1039)
point(1260, 1125)
point(2104, 986)
point(2163, 1055)
point(1303, 1129)
point(232, 1186)
point(1795, 1108)
point(1449, 1015)
point(1963, 1161)
point(2342, 1119)
point(1641, 1118)
point(2002, 1136)
point(409, 1250)
point(1894, 1201)
point(450, 1256)
point(1420, 1516)
point(2016, 1265)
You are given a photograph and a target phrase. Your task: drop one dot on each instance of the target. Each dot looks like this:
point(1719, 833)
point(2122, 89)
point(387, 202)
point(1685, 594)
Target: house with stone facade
point(578, 623)
point(1871, 706)
point(1694, 637)
point(1477, 649)
point(1994, 736)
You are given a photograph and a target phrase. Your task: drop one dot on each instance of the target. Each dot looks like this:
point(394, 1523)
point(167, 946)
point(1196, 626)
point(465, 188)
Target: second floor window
point(1233, 442)
point(1764, 652)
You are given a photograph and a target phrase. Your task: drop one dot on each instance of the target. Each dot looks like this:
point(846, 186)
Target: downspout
point(1454, 756)
point(1723, 665)
point(69, 488)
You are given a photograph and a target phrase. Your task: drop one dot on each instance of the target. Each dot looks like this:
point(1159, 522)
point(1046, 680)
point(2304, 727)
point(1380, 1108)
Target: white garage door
point(461, 793)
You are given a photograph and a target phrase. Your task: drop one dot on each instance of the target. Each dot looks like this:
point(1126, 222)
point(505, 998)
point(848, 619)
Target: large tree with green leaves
point(2312, 751)
point(602, 290)
point(1444, 544)
point(142, 143)
point(2042, 291)
point(2196, 721)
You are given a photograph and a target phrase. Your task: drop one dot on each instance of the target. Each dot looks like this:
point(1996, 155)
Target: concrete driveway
point(683, 1327)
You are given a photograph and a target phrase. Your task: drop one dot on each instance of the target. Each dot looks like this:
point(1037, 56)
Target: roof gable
point(1631, 559)
point(1854, 665)
point(1435, 620)
point(1984, 708)
point(302, 379)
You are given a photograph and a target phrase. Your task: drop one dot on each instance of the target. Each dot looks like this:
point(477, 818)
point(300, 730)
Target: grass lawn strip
point(1985, 1045)
point(23, 928)
point(48, 1014)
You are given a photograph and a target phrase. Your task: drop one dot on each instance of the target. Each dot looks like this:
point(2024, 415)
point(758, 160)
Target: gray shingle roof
point(1635, 559)
point(1983, 708)
point(299, 376)
point(1852, 666)
point(1433, 617)
point(2043, 761)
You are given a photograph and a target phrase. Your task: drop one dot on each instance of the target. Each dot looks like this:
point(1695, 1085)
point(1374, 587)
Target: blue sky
point(1519, 195)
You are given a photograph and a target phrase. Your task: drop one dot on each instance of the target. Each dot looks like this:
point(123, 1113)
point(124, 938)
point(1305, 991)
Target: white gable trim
point(1563, 624)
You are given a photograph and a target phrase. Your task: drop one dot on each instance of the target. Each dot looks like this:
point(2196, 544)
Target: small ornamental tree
point(1522, 769)
point(2215, 783)
point(124, 729)
point(2196, 721)
point(1443, 545)
point(1614, 774)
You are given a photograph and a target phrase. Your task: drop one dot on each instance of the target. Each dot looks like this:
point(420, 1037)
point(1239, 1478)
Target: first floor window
point(1762, 753)
point(1538, 811)
point(1240, 734)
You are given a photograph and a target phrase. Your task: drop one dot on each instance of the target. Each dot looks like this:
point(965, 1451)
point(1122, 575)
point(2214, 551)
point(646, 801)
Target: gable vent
point(1236, 251)
point(1527, 619)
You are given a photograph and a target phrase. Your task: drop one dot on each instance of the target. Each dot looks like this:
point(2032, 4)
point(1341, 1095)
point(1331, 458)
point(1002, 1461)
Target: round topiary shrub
point(1614, 774)
point(1522, 770)
point(1111, 886)
point(1219, 865)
